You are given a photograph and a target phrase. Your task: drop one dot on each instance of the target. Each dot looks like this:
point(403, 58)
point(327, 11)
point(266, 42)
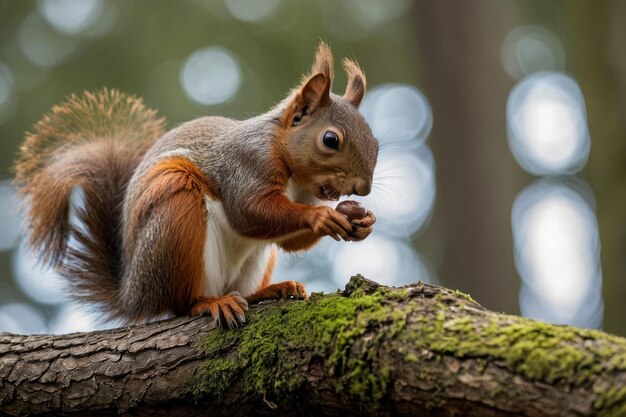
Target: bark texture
point(369, 350)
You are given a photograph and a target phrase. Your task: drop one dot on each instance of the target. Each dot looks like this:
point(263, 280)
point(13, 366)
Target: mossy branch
point(369, 350)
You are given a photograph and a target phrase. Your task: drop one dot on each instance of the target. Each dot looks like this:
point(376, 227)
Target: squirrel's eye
point(331, 140)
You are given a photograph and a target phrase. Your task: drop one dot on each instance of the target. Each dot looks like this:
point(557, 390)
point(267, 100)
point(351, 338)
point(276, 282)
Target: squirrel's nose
point(362, 187)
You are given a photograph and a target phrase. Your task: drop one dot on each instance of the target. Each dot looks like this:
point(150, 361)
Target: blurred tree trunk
point(595, 33)
point(477, 177)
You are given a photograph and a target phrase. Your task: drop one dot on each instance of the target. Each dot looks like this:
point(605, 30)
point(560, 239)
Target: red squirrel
point(188, 221)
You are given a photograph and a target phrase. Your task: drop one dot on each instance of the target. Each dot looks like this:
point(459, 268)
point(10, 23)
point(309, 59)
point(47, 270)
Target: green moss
point(610, 400)
point(496, 391)
point(328, 327)
point(465, 296)
point(411, 357)
point(347, 334)
point(537, 350)
point(392, 294)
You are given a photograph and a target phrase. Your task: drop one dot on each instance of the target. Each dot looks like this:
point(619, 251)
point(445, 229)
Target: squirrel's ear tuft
point(323, 65)
point(323, 61)
point(355, 90)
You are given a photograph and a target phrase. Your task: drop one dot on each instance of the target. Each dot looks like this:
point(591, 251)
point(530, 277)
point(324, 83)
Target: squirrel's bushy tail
point(94, 141)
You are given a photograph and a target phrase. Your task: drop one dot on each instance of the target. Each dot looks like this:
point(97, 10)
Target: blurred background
point(502, 170)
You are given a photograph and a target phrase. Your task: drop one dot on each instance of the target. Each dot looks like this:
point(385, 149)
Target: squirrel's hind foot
point(282, 290)
point(228, 310)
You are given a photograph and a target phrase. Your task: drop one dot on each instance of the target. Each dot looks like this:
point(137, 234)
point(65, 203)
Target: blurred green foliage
point(150, 40)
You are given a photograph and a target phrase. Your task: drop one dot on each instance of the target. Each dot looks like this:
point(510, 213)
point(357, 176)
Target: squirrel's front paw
point(228, 310)
point(325, 221)
point(361, 228)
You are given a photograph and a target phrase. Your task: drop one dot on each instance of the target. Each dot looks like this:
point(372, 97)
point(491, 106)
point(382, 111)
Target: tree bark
point(369, 350)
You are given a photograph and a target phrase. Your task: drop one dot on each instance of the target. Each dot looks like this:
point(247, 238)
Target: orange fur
point(175, 189)
point(166, 178)
point(355, 90)
point(186, 214)
point(275, 214)
point(300, 242)
point(323, 61)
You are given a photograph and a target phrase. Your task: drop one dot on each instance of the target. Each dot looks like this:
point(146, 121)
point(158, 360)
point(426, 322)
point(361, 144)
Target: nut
point(353, 210)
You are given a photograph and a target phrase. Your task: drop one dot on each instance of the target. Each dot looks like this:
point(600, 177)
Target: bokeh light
point(70, 16)
point(210, 76)
point(39, 283)
point(374, 12)
point(340, 22)
point(22, 318)
point(529, 49)
point(23, 74)
point(73, 317)
point(353, 20)
point(554, 226)
point(557, 253)
point(42, 45)
point(7, 100)
point(250, 11)
point(6, 84)
point(547, 126)
point(9, 217)
point(399, 115)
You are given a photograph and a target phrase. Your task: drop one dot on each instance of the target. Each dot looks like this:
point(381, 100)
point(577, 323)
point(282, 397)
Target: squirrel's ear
point(314, 93)
point(355, 90)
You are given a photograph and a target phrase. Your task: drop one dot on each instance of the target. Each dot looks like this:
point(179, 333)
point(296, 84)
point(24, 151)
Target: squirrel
point(187, 222)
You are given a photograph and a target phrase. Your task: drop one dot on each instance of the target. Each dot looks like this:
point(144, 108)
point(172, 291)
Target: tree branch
point(370, 350)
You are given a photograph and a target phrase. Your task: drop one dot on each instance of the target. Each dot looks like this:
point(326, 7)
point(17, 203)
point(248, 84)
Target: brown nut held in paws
point(353, 210)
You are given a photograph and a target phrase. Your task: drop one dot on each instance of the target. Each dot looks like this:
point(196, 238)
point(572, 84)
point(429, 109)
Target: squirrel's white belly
point(231, 262)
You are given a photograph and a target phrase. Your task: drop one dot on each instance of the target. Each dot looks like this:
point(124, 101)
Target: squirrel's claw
point(283, 290)
point(239, 300)
point(238, 310)
point(361, 228)
point(228, 310)
point(366, 221)
point(359, 233)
